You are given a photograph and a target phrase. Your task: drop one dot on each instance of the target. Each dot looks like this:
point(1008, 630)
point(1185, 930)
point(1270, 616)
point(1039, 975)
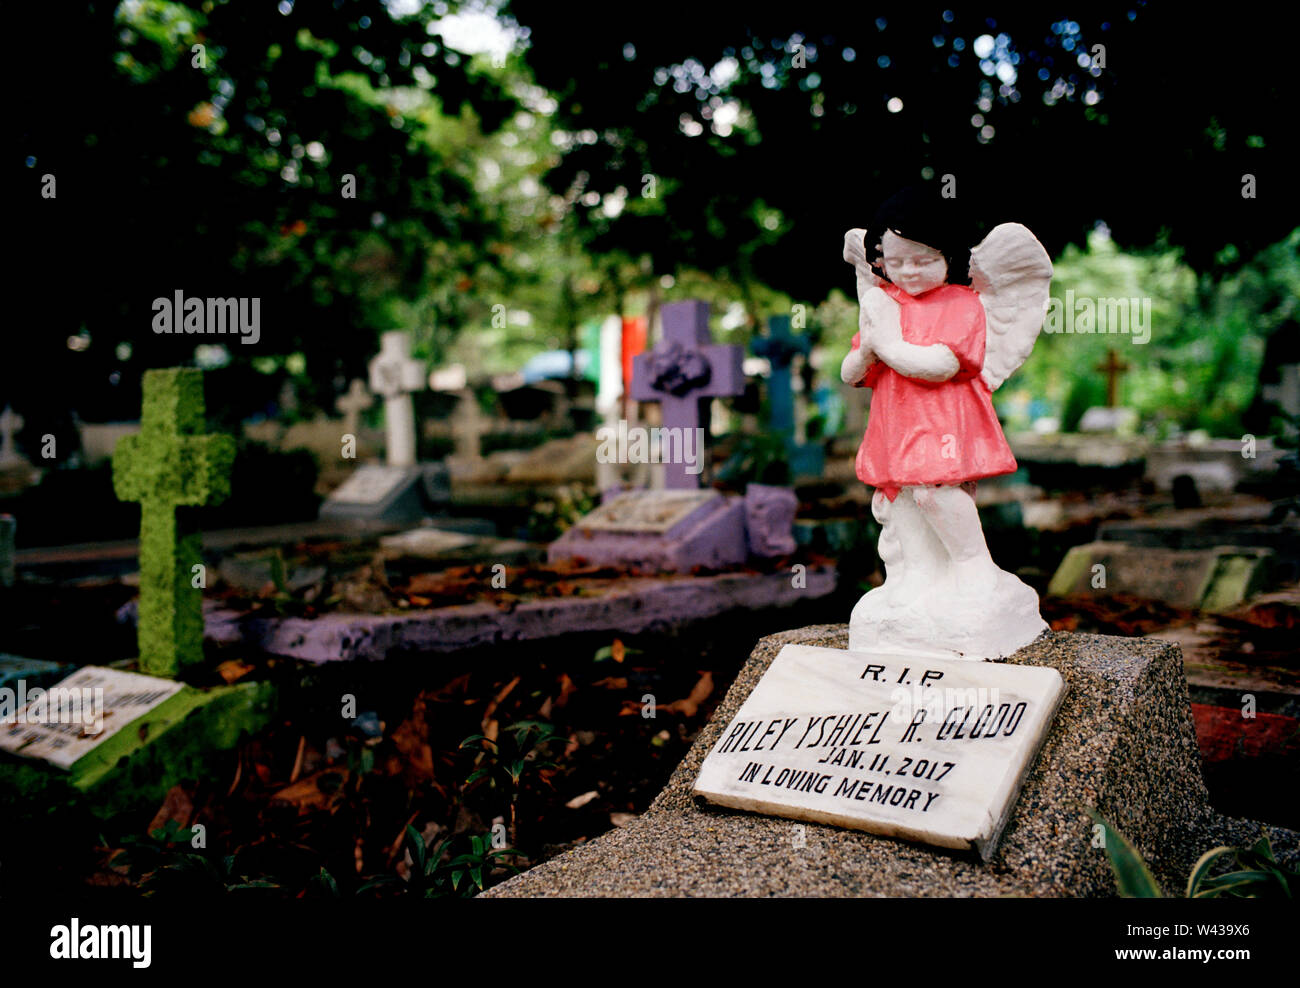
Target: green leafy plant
point(161, 862)
point(432, 877)
point(549, 518)
point(760, 458)
point(507, 764)
point(1258, 873)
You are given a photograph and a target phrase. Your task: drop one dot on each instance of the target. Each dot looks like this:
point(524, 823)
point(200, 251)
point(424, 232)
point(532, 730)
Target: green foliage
point(549, 518)
point(1200, 369)
point(435, 873)
point(508, 763)
point(759, 458)
point(163, 863)
point(225, 172)
point(1257, 874)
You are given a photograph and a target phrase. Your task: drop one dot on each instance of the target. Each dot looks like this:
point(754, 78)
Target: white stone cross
point(468, 425)
point(394, 375)
point(10, 423)
point(352, 404)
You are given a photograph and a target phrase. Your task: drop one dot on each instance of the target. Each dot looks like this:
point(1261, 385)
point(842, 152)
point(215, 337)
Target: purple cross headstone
point(683, 373)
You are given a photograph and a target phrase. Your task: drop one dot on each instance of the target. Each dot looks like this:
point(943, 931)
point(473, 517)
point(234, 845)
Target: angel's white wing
point(1013, 275)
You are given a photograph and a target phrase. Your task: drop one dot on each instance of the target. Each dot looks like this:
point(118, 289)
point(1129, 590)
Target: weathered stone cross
point(394, 374)
point(10, 423)
point(780, 347)
point(682, 373)
point(1112, 368)
point(168, 465)
point(352, 404)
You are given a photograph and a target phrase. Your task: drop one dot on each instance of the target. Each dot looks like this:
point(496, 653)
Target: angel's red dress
point(920, 432)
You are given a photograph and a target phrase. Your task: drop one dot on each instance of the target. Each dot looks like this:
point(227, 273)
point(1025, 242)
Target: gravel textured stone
point(1123, 742)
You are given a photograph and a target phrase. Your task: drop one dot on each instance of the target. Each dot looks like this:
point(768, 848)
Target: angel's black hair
point(919, 213)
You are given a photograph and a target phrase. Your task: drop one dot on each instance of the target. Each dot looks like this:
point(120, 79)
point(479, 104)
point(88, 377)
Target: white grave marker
point(924, 749)
point(63, 724)
point(646, 511)
point(370, 485)
point(394, 374)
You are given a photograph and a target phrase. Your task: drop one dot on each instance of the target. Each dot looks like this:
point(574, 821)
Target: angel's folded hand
point(854, 249)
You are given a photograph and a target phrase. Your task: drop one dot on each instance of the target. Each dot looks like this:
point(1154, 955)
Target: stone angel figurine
point(933, 349)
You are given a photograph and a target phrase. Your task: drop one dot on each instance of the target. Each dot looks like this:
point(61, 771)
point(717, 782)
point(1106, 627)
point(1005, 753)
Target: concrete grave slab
point(1215, 579)
point(1122, 742)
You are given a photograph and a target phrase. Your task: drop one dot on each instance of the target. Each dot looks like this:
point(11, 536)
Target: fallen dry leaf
point(411, 738)
point(316, 792)
point(177, 806)
point(496, 702)
point(566, 689)
point(690, 706)
point(578, 802)
point(234, 670)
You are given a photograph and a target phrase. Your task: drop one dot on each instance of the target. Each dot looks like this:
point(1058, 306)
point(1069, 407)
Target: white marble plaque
point(370, 485)
point(646, 511)
point(923, 749)
point(62, 724)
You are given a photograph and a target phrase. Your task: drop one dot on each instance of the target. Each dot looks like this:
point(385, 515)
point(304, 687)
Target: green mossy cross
point(166, 466)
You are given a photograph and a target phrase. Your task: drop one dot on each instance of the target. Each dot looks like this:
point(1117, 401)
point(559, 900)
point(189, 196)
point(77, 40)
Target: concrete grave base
point(1213, 579)
point(708, 531)
point(136, 766)
point(1122, 742)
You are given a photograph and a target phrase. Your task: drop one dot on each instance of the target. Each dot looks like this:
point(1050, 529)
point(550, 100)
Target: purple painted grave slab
point(682, 373)
point(672, 531)
point(634, 605)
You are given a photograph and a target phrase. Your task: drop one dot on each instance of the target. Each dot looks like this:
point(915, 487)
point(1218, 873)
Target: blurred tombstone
point(468, 427)
point(680, 527)
point(394, 375)
point(682, 374)
point(609, 389)
point(352, 404)
point(1277, 404)
point(780, 347)
point(99, 439)
point(401, 490)
point(16, 471)
point(10, 423)
point(288, 398)
point(1108, 420)
point(8, 531)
